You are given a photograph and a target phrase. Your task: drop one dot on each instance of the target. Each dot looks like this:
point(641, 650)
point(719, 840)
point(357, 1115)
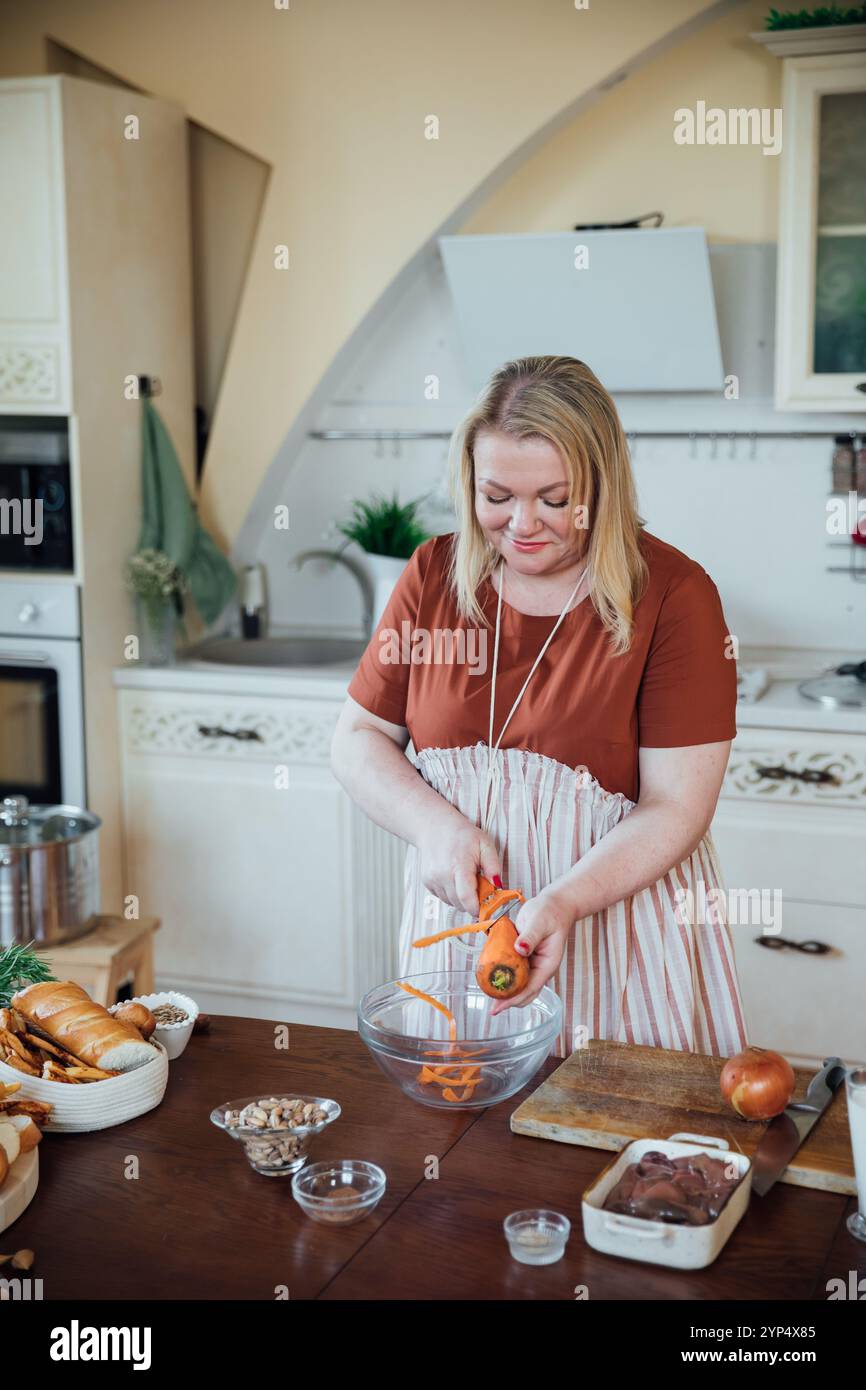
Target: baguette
point(67, 1014)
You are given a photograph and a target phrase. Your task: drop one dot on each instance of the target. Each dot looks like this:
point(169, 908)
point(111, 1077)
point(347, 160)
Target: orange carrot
point(428, 1076)
point(452, 931)
point(501, 971)
point(447, 1074)
point(428, 999)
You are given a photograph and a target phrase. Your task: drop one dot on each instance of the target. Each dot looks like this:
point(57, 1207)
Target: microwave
point(35, 494)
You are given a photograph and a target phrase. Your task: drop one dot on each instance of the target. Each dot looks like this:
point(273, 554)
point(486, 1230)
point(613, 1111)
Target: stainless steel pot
point(49, 872)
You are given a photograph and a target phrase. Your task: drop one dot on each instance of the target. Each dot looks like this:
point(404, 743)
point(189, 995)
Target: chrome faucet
point(355, 568)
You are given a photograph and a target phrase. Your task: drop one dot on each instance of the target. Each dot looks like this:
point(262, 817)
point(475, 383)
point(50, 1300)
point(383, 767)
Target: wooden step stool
point(112, 951)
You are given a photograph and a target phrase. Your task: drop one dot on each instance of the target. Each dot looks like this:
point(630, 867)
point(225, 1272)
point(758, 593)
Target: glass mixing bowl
point(406, 1034)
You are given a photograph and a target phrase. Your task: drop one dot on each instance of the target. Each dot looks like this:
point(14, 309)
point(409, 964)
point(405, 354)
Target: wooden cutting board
point(609, 1093)
point(19, 1187)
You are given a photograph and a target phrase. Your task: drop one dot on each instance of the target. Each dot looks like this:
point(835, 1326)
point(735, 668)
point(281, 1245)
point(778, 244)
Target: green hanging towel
point(169, 521)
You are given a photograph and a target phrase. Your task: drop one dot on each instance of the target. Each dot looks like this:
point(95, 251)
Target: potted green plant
point(389, 532)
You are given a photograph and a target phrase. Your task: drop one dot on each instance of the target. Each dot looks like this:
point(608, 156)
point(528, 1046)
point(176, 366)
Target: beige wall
point(334, 96)
point(619, 159)
point(141, 322)
point(227, 188)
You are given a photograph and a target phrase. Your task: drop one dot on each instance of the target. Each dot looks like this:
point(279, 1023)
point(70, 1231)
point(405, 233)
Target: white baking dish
point(96, 1104)
point(680, 1247)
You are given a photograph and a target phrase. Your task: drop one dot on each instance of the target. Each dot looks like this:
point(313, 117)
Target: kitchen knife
point(786, 1132)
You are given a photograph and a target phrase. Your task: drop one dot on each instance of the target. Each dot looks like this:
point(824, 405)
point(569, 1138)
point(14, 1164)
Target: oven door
point(41, 721)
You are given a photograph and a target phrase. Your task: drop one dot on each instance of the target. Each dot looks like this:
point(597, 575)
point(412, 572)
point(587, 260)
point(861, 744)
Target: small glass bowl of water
point(537, 1237)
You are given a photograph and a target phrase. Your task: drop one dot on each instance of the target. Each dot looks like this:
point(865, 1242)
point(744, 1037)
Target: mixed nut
point(275, 1146)
point(274, 1113)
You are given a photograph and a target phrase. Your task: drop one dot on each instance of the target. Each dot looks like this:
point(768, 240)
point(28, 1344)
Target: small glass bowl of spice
point(339, 1192)
point(537, 1237)
point(276, 1131)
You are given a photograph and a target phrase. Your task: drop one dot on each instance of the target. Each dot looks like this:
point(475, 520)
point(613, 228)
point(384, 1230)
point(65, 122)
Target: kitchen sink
point(276, 651)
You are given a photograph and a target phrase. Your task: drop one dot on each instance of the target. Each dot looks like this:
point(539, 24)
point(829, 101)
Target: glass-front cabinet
point(821, 304)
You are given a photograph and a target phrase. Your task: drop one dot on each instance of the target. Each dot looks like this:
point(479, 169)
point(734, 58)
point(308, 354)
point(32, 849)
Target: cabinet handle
point(781, 943)
point(817, 775)
point(242, 735)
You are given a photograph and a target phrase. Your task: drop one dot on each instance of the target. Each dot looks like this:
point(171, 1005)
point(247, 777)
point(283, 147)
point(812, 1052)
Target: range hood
point(640, 310)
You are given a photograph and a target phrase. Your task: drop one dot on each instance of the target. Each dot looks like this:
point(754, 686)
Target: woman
point(572, 732)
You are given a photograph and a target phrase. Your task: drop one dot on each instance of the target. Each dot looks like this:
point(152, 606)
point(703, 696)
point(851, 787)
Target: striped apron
point(640, 971)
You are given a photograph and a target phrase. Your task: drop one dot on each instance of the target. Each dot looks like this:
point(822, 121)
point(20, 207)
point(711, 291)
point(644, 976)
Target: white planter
point(384, 571)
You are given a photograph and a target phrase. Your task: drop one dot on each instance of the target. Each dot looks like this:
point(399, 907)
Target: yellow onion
point(757, 1083)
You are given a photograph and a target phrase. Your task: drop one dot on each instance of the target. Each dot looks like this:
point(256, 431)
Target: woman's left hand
point(543, 924)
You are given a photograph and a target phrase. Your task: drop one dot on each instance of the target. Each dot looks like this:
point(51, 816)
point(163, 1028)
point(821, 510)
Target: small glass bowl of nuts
point(276, 1131)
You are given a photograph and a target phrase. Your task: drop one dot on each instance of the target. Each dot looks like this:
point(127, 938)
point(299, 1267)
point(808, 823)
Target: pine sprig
point(20, 966)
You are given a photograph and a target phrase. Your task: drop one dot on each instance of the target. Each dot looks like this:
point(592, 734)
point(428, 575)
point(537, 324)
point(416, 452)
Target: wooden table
point(195, 1222)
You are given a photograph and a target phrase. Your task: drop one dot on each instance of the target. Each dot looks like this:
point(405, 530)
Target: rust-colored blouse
point(426, 670)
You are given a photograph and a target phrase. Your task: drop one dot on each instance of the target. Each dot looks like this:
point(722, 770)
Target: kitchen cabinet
point(95, 289)
point(34, 320)
point(821, 292)
point(278, 898)
point(783, 831)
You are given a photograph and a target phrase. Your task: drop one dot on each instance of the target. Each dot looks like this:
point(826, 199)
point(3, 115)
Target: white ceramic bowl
point(96, 1104)
point(173, 1036)
point(680, 1247)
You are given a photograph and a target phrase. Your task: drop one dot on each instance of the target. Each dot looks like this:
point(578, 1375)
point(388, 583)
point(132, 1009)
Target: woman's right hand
point(453, 852)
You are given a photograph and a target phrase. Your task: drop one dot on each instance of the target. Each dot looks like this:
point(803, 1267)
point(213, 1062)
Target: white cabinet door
point(34, 301)
point(250, 880)
point(807, 1006)
point(278, 899)
point(790, 830)
point(820, 329)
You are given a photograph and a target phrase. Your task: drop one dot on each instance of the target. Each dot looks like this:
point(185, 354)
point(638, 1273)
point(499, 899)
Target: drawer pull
point(818, 775)
point(242, 735)
point(781, 943)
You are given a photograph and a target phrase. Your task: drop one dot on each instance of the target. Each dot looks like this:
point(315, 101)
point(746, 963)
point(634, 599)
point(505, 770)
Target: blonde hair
point(558, 399)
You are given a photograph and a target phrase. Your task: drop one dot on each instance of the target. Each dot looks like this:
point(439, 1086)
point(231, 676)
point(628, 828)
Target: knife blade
point(786, 1132)
point(503, 910)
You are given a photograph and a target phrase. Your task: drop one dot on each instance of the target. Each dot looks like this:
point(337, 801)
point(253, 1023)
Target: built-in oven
point(35, 494)
point(41, 703)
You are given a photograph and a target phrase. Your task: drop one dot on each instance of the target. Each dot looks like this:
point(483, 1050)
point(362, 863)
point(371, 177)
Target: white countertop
point(783, 707)
point(205, 677)
point(780, 707)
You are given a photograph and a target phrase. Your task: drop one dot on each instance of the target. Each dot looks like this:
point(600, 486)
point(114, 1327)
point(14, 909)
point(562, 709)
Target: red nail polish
point(497, 881)
point(522, 947)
